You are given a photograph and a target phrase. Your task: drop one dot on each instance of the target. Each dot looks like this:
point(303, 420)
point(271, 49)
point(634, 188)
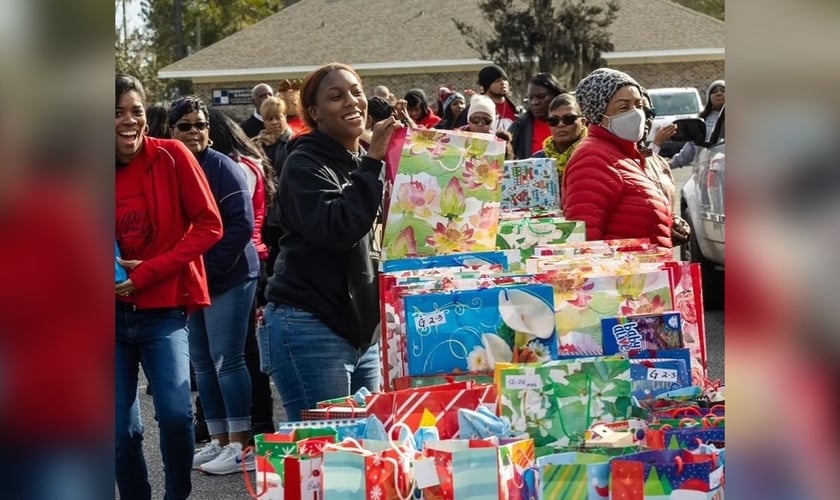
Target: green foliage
point(714, 8)
point(563, 37)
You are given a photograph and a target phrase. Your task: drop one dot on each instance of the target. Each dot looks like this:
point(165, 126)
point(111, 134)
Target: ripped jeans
point(309, 362)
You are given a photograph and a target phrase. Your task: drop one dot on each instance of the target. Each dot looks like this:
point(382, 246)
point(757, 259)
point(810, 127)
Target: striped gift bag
point(570, 476)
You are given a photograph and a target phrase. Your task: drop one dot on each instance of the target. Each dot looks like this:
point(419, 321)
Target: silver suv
point(703, 206)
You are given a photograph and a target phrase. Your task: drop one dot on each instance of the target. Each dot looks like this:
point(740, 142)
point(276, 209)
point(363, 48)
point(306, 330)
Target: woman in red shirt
point(166, 219)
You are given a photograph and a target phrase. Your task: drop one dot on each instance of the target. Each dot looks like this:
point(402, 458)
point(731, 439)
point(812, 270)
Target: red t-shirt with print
point(540, 132)
point(133, 224)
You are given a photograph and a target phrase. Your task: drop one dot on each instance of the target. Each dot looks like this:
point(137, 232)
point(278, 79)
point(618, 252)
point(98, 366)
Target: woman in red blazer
point(608, 183)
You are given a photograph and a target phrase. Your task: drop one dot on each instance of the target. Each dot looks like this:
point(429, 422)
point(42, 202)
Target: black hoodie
point(328, 201)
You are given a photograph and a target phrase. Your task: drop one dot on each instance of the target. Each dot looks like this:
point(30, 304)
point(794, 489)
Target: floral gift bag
point(446, 193)
point(471, 330)
point(556, 402)
point(531, 183)
point(526, 233)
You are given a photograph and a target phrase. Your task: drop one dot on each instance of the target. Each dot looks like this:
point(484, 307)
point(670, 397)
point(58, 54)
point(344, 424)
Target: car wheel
point(713, 279)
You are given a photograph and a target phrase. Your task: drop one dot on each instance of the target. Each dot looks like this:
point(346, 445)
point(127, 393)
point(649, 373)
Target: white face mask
point(629, 125)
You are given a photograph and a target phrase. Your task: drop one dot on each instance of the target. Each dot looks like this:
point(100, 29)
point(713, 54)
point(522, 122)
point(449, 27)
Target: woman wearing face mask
point(608, 183)
point(321, 332)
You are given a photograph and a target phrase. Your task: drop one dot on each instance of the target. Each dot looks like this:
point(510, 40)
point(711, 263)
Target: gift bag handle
point(712, 420)
point(527, 222)
point(248, 485)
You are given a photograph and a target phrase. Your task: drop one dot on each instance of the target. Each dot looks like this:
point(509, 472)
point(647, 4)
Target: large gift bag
point(569, 475)
point(366, 470)
point(471, 330)
point(558, 401)
point(271, 453)
point(516, 455)
point(445, 193)
point(582, 299)
point(664, 475)
point(688, 300)
point(531, 183)
point(430, 406)
point(465, 470)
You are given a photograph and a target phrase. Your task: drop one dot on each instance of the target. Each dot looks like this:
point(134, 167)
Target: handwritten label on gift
point(715, 478)
point(662, 375)
point(523, 382)
point(423, 321)
point(312, 484)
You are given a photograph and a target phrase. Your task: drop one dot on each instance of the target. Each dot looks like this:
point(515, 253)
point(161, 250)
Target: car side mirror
point(690, 130)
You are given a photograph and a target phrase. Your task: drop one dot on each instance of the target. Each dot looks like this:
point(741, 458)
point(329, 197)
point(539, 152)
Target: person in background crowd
point(442, 93)
point(321, 332)
point(418, 109)
point(383, 92)
point(608, 183)
point(276, 133)
point(254, 123)
point(166, 219)
point(493, 82)
point(505, 136)
point(156, 120)
point(480, 115)
point(715, 100)
point(217, 333)
point(289, 91)
point(378, 110)
point(531, 129)
point(680, 230)
point(453, 106)
point(568, 128)
point(229, 139)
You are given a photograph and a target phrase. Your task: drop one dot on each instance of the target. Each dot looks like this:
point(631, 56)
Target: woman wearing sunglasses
point(568, 128)
point(480, 114)
point(217, 333)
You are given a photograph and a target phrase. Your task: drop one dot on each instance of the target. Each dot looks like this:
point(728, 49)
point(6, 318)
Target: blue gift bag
point(121, 274)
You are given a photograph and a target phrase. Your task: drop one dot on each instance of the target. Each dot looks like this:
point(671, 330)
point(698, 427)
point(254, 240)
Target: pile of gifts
point(519, 360)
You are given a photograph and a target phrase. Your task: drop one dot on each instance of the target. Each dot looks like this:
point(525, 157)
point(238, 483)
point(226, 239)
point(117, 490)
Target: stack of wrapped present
point(519, 360)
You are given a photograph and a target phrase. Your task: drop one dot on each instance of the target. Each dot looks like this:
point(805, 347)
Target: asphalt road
point(233, 487)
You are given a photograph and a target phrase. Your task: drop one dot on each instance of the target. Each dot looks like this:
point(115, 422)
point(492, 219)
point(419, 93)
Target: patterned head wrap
point(594, 92)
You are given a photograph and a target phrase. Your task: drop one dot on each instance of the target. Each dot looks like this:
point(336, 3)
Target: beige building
point(414, 43)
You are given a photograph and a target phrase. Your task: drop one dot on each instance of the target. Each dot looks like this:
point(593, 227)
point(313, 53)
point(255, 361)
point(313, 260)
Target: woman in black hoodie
point(320, 334)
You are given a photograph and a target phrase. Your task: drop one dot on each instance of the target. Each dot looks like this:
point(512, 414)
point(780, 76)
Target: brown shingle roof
point(314, 32)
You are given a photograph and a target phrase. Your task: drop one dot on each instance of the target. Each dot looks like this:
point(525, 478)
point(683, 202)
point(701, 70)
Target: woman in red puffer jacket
point(607, 183)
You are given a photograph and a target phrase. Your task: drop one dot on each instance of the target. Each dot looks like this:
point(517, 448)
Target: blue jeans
point(217, 351)
point(309, 362)
point(157, 340)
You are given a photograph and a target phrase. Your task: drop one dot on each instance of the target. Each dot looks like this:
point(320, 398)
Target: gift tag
point(425, 473)
point(715, 478)
point(430, 320)
point(312, 484)
point(662, 375)
point(523, 382)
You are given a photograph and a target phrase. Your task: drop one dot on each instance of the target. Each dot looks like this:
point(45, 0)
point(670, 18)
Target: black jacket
point(522, 134)
point(234, 258)
point(252, 126)
point(328, 201)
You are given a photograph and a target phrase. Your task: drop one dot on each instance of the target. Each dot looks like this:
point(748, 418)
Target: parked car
point(671, 104)
point(703, 205)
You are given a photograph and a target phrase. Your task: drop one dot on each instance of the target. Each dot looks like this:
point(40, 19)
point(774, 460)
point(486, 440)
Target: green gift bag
point(557, 401)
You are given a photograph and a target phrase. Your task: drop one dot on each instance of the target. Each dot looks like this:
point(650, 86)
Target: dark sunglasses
point(553, 121)
point(287, 84)
point(186, 127)
point(481, 121)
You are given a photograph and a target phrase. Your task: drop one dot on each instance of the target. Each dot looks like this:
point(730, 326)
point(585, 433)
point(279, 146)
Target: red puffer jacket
point(605, 186)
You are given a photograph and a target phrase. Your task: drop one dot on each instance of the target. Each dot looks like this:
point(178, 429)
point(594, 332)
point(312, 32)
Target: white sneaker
point(230, 461)
point(209, 452)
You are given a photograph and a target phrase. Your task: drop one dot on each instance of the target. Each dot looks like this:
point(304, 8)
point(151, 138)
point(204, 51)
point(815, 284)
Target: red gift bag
point(438, 402)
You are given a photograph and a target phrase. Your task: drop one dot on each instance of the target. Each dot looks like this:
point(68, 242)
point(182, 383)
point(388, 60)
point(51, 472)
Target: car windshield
point(684, 103)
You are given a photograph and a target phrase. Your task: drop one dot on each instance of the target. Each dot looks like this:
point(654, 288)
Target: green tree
point(177, 28)
point(714, 8)
point(562, 37)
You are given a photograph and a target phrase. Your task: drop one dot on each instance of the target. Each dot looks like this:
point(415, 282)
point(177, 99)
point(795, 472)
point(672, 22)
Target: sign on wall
point(231, 97)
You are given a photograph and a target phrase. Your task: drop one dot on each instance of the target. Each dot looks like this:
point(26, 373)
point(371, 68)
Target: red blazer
point(605, 185)
point(186, 224)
